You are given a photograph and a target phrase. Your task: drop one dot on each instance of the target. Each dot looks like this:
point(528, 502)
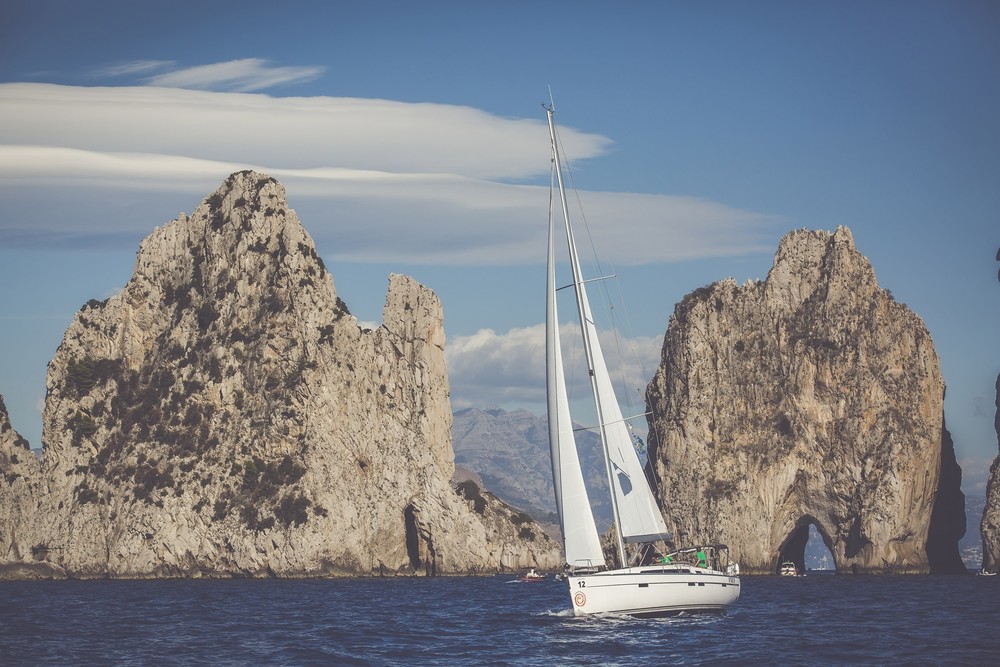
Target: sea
point(818, 619)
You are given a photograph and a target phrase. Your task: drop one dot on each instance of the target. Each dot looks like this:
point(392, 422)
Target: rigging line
point(596, 259)
point(584, 282)
point(615, 421)
point(618, 352)
point(630, 339)
point(579, 204)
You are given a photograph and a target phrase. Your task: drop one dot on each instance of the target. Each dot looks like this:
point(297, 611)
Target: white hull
point(660, 590)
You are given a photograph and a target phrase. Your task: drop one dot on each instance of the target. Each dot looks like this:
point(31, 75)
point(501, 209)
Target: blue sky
point(410, 139)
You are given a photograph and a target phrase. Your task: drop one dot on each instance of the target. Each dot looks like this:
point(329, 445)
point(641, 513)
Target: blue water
point(490, 621)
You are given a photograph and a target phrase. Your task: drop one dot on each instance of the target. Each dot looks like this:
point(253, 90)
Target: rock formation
point(810, 398)
point(225, 415)
point(18, 489)
point(990, 526)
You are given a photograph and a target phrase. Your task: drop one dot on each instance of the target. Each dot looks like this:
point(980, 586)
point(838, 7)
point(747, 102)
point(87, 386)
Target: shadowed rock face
point(226, 415)
point(990, 526)
point(810, 398)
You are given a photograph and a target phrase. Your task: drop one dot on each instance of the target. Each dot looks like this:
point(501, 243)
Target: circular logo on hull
point(579, 599)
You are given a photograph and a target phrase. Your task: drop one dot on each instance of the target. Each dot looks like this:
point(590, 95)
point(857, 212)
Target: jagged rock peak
point(245, 231)
point(224, 415)
point(811, 398)
point(19, 471)
point(16, 457)
point(807, 259)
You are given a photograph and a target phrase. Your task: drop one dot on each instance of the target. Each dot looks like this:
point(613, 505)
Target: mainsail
point(580, 538)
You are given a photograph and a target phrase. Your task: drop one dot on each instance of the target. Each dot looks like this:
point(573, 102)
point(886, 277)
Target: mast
point(583, 310)
point(580, 538)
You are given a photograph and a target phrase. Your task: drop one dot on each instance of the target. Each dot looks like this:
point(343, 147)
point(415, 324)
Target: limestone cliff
point(226, 415)
point(18, 489)
point(990, 526)
point(810, 398)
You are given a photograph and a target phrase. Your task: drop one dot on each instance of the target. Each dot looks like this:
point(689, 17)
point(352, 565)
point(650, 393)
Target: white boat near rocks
point(633, 588)
point(788, 569)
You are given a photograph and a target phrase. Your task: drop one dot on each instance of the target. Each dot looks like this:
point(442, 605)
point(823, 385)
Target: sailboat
point(693, 579)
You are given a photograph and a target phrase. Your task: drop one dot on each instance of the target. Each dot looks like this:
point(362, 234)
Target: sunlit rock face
point(19, 481)
point(225, 415)
point(810, 398)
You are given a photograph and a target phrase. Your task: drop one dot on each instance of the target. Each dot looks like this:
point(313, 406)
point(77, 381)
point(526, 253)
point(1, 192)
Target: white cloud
point(975, 473)
point(287, 132)
point(509, 368)
point(385, 181)
point(487, 367)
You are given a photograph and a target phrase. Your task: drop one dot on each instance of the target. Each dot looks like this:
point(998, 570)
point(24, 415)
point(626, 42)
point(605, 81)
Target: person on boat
point(666, 558)
point(702, 559)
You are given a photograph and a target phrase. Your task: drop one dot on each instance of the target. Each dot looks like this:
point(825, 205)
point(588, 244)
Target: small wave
point(560, 613)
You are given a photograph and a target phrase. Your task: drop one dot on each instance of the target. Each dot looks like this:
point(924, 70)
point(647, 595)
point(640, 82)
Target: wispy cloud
point(381, 180)
point(134, 67)
point(244, 76)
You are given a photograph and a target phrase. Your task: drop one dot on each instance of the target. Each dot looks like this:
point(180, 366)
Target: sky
point(410, 138)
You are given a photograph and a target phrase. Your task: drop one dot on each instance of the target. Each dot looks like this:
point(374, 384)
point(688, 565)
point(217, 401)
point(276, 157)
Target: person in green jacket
point(702, 559)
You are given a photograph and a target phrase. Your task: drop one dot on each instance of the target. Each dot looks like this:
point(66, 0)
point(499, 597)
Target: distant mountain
point(510, 452)
point(971, 545)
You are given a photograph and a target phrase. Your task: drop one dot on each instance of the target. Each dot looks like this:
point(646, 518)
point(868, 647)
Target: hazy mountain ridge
point(510, 451)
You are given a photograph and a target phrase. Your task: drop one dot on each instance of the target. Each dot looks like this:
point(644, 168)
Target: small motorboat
point(531, 576)
point(788, 569)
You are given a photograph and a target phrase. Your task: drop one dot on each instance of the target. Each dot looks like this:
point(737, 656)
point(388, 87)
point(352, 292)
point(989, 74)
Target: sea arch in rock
point(793, 547)
point(812, 397)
